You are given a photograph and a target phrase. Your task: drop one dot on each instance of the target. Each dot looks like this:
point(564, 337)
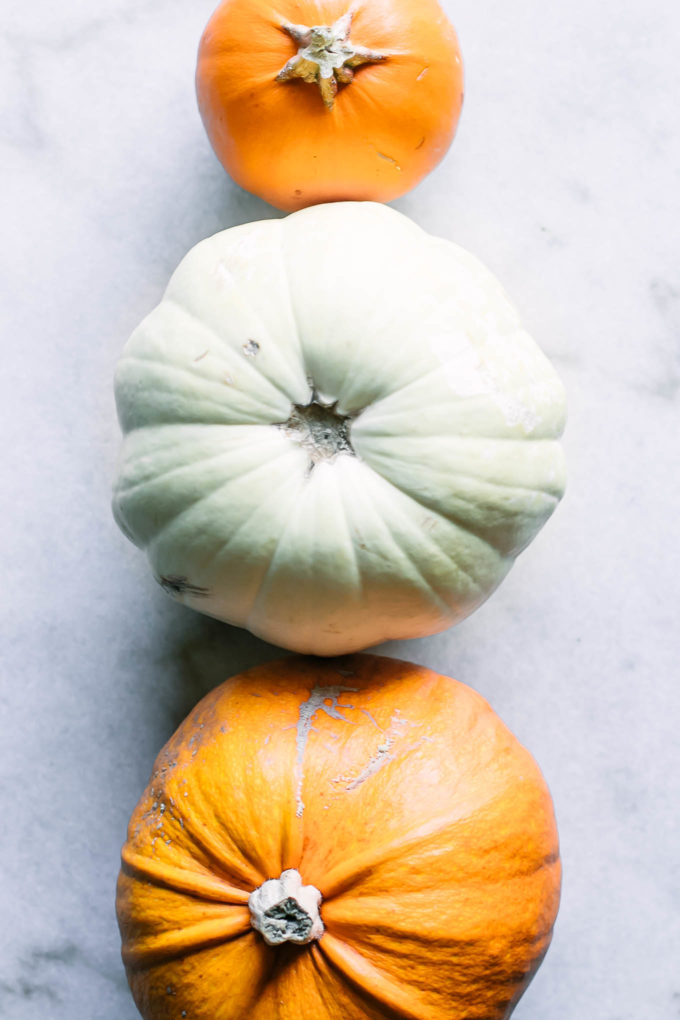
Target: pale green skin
point(456, 463)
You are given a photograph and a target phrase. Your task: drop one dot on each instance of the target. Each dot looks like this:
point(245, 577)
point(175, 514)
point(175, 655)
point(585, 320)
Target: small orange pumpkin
point(309, 101)
point(354, 839)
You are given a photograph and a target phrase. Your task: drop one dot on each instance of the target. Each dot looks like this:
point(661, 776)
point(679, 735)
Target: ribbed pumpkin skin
point(398, 793)
point(388, 128)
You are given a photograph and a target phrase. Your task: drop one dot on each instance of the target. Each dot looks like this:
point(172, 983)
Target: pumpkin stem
point(326, 56)
point(285, 910)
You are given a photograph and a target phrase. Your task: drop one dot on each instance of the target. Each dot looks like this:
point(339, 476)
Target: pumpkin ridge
point(121, 498)
point(358, 921)
point(479, 479)
point(122, 493)
point(505, 485)
point(250, 364)
point(263, 466)
point(436, 597)
point(180, 880)
point(493, 978)
point(224, 549)
point(161, 369)
point(247, 301)
point(512, 329)
point(291, 302)
point(352, 545)
point(475, 398)
point(232, 864)
point(417, 575)
point(172, 367)
point(369, 980)
point(285, 273)
point(425, 539)
point(342, 877)
point(147, 952)
point(261, 588)
point(458, 521)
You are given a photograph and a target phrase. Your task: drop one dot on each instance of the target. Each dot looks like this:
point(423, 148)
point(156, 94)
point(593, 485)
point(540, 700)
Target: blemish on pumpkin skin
point(420, 143)
point(422, 73)
point(381, 758)
point(389, 159)
point(201, 356)
point(326, 699)
point(175, 585)
point(251, 348)
point(373, 720)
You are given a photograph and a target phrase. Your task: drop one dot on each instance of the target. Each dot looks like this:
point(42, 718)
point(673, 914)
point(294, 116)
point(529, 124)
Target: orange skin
point(388, 128)
point(400, 795)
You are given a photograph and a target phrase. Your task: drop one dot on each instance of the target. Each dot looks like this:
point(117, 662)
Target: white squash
point(336, 430)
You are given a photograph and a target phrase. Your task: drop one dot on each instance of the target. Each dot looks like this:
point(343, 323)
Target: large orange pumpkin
point(308, 101)
point(339, 840)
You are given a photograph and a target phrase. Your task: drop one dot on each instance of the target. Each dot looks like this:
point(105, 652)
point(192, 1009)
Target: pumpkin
point(353, 839)
point(336, 431)
point(308, 101)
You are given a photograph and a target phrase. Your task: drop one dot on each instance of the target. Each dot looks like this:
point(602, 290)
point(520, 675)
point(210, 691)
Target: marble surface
point(564, 180)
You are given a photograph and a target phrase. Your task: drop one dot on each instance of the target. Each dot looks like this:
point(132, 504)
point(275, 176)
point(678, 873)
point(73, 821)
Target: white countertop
point(564, 180)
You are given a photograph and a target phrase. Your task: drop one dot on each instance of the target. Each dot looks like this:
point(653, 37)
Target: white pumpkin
point(336, 430)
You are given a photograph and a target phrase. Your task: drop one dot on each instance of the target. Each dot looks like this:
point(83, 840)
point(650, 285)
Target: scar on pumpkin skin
point(174, 585)
point(381, 757)
point(318, 698)
point(390, 159)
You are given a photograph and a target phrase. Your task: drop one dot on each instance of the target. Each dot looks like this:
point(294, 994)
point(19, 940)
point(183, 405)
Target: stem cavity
point(320, 430)
point(285, 910)
point(326, 56)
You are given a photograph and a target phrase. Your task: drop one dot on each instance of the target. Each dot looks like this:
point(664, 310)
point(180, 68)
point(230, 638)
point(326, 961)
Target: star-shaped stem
point(326, 56)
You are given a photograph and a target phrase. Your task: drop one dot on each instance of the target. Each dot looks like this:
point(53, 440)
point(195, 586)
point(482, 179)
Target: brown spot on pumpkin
point(251, 348)
point(201, 356)
point(420, 143)
point(174, 585)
